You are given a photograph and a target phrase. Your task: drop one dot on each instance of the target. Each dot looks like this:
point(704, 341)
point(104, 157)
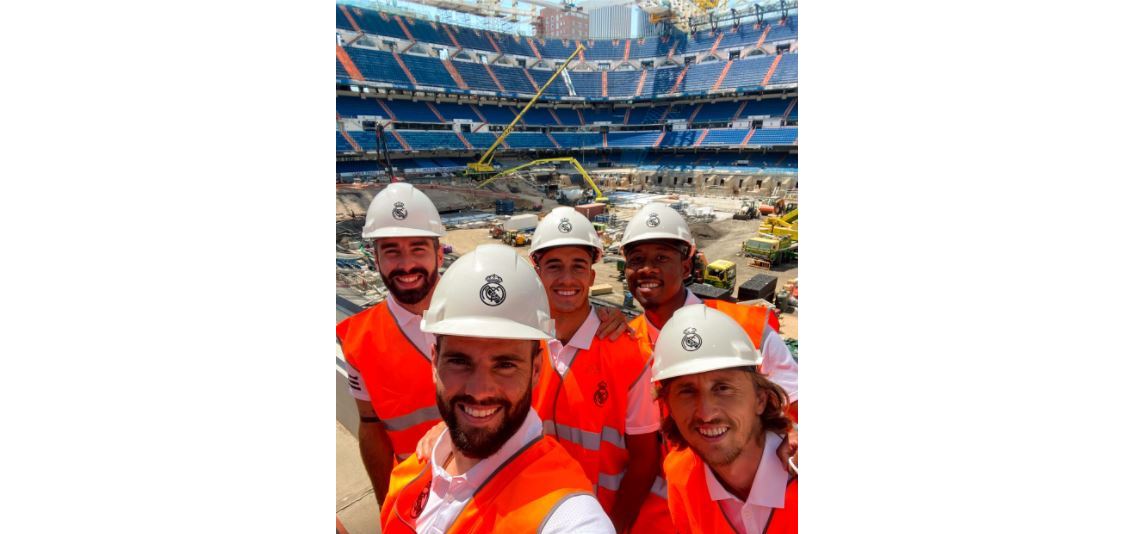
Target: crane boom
point(565, 159)
point(485, 164)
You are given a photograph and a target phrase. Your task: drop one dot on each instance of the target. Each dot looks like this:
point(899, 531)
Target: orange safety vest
point(586, 409)
point(756, 321)
point(694, 510)
point(516, 498)
point(398, 376)
point(753, 319)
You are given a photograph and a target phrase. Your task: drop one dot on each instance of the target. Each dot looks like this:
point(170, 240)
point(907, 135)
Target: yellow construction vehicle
point(785, 225)
point(485, 163)
point(595, 188)
point(722, 274)
point(514, 238)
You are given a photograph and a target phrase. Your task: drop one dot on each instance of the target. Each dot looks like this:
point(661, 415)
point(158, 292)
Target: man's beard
point(410, 296)
point(479, 442)
point(727, 455)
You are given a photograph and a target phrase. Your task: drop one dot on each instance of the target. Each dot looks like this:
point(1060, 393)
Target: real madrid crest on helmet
point(601, 394)
point(652, 221)
point(493, 293)
point(399, 212)
point(691, 341)
point(565, 226)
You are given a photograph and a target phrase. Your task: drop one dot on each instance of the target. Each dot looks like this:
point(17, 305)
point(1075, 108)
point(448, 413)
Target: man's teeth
point(476, 412)
point(713, 432)
point(408, 279)
point(648, 285)
point(566, 292)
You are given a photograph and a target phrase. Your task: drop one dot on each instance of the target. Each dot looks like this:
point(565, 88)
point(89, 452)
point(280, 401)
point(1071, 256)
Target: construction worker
point(387, 355)
point(595, 396)
point(658, 247)
point(492, 470)
point(725, 421)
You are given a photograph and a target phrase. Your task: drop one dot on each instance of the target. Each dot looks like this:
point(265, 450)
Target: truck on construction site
point(770, 249)
point(721, 274)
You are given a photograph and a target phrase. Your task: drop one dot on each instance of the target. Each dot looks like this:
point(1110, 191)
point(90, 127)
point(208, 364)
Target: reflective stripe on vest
point(585, 410)
point(583, 438)
point(398, 376)
point(419, 416)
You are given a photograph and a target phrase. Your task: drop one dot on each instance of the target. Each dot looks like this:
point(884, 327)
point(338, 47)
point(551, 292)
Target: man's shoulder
point(353, 322)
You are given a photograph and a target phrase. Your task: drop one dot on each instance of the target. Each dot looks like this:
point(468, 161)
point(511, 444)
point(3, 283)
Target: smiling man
point(658, 246)
point(725, 421)
point(387, 355)
point(595, 394)
point(492, 469)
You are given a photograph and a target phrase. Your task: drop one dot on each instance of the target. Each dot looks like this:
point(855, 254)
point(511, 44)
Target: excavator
point(786, 225)
point(484, 165)
point(599, 197)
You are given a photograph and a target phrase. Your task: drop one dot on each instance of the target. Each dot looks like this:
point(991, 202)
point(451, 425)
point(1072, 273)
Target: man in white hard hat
point(492, 470)
point(658, 247)
point(725, 422)
point(387, 355)
point(595, 396)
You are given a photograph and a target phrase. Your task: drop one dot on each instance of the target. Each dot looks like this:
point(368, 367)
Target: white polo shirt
point(408, 324)
point(768, 491)
point(642, 410)
point(449, 494)
point(779, 365)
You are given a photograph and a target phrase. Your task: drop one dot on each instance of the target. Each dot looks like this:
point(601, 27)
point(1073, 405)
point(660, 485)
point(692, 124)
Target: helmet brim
point(483, 327)
point(399, 231)
point(702, 365)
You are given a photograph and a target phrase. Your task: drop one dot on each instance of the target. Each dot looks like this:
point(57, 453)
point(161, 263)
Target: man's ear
point(537, 357)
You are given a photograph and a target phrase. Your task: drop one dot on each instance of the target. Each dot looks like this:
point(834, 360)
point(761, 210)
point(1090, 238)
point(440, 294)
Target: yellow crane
point(598, 193)
point(485, 164)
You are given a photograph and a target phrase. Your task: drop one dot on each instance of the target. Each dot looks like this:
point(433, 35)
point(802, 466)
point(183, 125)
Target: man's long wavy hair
point(774, 419)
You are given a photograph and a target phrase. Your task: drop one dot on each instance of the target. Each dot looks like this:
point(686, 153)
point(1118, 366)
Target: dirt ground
point(719, 240)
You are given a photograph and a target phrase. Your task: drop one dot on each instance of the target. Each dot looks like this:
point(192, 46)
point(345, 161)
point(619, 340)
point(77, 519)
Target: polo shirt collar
point(768, 488)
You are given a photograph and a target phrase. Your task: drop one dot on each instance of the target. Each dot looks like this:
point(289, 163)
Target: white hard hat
point(566, 226)
point(698, 339)
point(657, 221)
point(401, 210)
point(492, 293)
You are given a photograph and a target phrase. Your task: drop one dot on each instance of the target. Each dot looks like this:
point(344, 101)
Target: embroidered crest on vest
point(601, 394)
point(421, 501)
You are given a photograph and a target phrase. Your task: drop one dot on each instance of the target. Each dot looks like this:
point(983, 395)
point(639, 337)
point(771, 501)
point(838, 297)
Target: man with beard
point(659, 247)
point(725, 421)
point(492, 470)
point(387, 355)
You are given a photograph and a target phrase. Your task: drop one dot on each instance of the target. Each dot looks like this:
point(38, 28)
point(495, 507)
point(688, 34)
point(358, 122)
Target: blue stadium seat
point(377, 65)
point(680, 138)
point(725, 136)
point(348, 106)
point(578, 140)
point(774, 136)
point(475, 75)
point(408, 111)
point(428, 71)
point(716, 112)
point(787, 71)
point(641, 139)
point(747, 72)
point(513, 79)
point(451, 111)
point(430, 139)
point(622, 83)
